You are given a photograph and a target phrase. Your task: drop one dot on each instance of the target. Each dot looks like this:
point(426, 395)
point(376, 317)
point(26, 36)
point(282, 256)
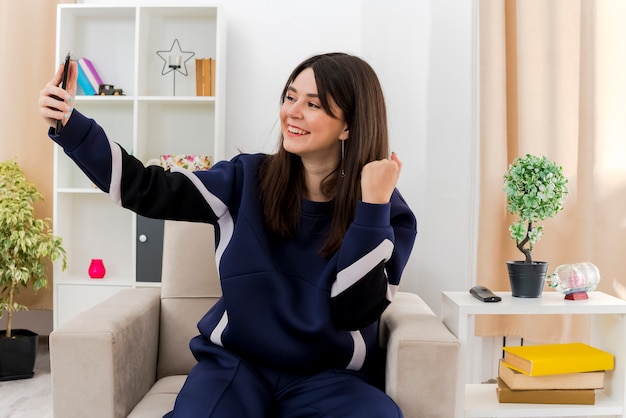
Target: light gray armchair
point(129, 355)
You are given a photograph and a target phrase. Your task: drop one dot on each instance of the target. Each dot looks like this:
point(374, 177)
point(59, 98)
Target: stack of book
point(205, 77)
point(566, 373)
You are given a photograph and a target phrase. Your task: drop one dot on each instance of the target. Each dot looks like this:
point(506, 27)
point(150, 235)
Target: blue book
point(90, 72)
point(84, 83)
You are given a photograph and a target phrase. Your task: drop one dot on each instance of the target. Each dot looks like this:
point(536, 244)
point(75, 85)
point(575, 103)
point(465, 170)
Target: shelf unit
point(149, 120)
point(608, 332)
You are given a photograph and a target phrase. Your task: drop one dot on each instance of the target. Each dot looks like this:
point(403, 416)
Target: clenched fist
point(379, 179)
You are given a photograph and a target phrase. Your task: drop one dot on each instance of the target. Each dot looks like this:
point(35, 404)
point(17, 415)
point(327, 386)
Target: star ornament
point(175, 50)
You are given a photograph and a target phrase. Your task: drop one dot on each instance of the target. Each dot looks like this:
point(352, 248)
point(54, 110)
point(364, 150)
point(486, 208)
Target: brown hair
point(354, 86)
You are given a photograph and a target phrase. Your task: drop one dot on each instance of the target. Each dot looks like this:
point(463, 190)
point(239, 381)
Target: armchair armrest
point(104, 360)
point(422, 358)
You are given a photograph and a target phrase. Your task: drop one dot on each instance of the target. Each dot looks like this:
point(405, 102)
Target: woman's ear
point(345, 134)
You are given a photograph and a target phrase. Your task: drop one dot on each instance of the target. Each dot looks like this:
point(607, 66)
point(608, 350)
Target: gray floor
point(29, 398)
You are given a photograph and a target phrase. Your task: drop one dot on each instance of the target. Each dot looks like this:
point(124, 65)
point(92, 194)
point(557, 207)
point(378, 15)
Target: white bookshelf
point(149, 120)
point(608, 332)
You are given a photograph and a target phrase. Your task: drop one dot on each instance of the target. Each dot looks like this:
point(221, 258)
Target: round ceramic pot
point(527, 280)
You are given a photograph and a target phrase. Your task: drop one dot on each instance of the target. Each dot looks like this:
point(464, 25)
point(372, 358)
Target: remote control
point(484, 294)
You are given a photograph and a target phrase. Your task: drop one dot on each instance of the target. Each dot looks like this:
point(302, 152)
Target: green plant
point(535, 190)
point(25, 242)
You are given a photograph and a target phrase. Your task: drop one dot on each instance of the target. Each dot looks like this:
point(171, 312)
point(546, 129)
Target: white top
point(551, 302)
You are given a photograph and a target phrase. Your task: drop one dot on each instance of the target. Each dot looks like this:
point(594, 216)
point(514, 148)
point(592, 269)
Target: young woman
point(310, 245)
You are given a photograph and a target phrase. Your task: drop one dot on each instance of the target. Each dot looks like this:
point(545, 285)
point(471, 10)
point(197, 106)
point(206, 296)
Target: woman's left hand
point(379, 179)
point(56, 103)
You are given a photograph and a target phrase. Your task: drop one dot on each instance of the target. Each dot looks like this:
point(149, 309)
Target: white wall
point(37, 321)
point(424, 54)
point(265, 41)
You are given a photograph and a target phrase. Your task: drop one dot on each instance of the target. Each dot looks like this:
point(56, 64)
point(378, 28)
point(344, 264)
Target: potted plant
point(535, 190)
point(26, 243)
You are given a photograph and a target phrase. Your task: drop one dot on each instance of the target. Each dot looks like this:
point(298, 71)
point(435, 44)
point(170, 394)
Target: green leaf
point(518, 231)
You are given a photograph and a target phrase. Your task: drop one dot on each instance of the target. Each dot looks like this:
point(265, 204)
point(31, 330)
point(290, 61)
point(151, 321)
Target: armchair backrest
point(189, 287)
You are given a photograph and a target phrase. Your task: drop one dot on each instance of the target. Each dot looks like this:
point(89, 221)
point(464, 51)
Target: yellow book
point(548, 359)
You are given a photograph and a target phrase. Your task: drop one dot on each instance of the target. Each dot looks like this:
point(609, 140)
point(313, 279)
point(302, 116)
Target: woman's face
point(308, 131)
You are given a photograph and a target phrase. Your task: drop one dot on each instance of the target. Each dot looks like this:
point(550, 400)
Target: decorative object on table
point(96, 269)
point(188, 162)
point(175, 60)
point(536, 189)
point(205, 77)
point(575, 280)
point(26, 244)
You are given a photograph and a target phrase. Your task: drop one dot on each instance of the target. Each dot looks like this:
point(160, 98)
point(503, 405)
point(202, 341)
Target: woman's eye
point(314, 105)
point(290, 98)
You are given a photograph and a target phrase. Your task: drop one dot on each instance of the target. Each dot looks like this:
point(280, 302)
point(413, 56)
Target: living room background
point(424, 53)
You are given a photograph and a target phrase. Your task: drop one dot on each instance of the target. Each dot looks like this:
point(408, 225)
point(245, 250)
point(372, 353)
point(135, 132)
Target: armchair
point(129, 356)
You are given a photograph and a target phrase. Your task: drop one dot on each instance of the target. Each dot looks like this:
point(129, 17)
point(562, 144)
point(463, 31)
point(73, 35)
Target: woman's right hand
point(52, 108)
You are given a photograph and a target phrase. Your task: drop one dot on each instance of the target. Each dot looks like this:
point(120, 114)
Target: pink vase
point(96, 269)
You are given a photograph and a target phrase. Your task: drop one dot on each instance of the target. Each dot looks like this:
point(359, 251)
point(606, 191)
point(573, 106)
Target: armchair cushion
point(160, 398)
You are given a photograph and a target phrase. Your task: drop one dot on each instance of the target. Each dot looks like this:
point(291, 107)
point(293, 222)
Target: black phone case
point(66, 70)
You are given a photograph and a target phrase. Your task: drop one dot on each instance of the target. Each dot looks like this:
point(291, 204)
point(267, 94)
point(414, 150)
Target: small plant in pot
point(26, 243)
point(535, 189)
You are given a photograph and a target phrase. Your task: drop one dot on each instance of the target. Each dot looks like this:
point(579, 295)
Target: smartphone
point(66, 70)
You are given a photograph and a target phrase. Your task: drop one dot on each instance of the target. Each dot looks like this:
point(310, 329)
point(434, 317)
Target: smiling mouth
point(296, 131)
